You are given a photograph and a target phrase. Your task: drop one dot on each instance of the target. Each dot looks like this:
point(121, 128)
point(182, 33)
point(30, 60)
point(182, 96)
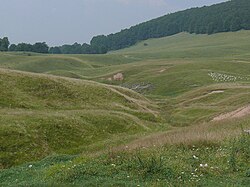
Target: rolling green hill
point(177, 118)
point(169, 59)
point(43, 115)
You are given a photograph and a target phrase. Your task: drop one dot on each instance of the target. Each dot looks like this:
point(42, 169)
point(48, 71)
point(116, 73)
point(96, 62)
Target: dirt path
point(203, 96)
point(241, 112)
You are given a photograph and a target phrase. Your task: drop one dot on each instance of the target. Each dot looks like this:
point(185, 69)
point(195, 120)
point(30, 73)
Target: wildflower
point(205, 165)
point(113, 165)
point(201, 165)
point(30, 166)
point(195, 157)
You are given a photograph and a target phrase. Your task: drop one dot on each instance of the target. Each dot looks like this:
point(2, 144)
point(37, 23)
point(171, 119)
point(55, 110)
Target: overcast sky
point(67, 21)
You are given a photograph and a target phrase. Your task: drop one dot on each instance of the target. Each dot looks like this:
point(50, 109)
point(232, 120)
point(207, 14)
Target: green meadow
point(65, 121)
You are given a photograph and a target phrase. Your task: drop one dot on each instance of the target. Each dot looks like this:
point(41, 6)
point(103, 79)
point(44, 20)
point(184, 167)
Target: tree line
point(232, 16)
point(39, 47)
point(229, 16)
point(42, 47)
point(77, 48)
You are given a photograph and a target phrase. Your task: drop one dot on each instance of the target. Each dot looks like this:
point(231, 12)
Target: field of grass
point(43, 115)
point(63, 121)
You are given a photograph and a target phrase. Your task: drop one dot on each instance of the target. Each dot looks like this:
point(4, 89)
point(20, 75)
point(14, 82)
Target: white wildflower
point(195, 157)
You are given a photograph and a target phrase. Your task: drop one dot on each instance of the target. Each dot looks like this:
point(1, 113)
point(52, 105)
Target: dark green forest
point(4, 44)
point(224, 17)
point(229, 16)
point(39, 47)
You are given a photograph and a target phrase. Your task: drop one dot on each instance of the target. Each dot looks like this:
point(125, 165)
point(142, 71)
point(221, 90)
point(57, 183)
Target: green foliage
point(197, 165)
point(4, 44)
point(240, 153)
point(229, 16)
point(36, 48)
point(76, 48)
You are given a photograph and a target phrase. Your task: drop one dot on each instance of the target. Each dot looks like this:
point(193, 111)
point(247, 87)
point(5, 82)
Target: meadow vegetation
point(65, 121)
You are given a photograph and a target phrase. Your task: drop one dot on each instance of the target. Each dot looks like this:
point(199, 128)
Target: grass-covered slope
point(196, 160)
point(43, 115)
point(169, 59)
point(163, 136)
point(185, 67)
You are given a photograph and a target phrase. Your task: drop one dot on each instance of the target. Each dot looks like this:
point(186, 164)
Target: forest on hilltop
point(224, 17)
point(229, 16)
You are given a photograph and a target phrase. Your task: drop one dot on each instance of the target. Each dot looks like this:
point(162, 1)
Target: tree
point(24, 47)
point(40, 47)
point(4, 44)
point(235, 24)
point(13, 47)
point(55, 50)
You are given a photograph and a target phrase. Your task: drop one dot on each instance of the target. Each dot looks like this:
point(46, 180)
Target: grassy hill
point(147, 130)
point(43, 115)
point(171, 68)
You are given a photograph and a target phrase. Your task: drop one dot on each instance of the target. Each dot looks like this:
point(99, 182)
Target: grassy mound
point(43, 115)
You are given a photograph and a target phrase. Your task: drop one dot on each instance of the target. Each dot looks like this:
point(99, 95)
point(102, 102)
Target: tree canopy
point(39, 47)
point(4, 44)
point(233, 15)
